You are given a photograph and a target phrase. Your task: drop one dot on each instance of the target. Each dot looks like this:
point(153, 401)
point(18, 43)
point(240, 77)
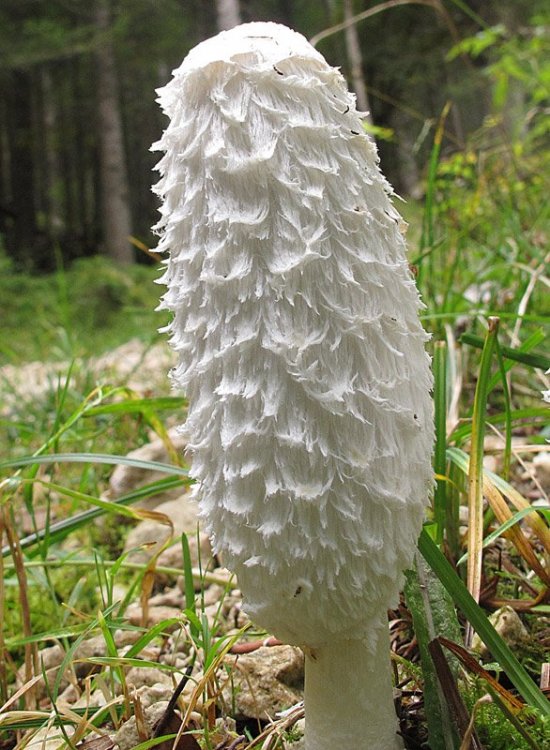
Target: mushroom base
point(348, 696)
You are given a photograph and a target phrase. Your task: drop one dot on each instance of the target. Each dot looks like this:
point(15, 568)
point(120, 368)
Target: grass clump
point(58, 598)
point(89, 308)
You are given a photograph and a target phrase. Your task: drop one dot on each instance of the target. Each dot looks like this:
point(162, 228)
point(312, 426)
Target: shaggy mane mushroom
point(295, 319)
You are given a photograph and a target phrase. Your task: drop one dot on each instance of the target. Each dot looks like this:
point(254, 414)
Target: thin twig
point(435, 4)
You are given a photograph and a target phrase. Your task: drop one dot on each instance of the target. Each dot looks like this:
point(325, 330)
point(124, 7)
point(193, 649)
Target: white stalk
point(348, 696)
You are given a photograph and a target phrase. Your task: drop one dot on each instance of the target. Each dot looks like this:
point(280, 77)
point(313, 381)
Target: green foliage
point(484, 253)
point(477, 44)
point(89, 308)
point(51, 599)
point(37, 37)
point(496, 734)
point(488, 211)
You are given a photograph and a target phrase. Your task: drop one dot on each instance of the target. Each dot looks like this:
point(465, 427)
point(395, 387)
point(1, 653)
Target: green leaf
point(476, 45)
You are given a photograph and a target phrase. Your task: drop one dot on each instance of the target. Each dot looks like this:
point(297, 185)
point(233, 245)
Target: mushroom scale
point(296, 323)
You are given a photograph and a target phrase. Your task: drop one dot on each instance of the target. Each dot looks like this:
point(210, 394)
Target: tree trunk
point(85, 176)
point(229, 14)
point(52, 176)
point(115, 209)
point(515, 107)
point(5, 159)
point(21, 212)
point(355, 60)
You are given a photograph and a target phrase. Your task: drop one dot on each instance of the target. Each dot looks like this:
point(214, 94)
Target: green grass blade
point(165, 739)
point(462, 432)
point(440, 456)
point(473, 313)
point(25, 720)
point(427, 237)
point(112, 660)
point(161, 628)
point(106, 505)
point(475, 470)
point(476, 617)
point(61, 529)
point(69, 654)
point(452, 523)
point(532, 341)
point(69, 631)
point(188, 582)
point(526, 358)
point(461, 459)
point(61, 398)
point(507, 410)
point(516, 518)
point(86, 562)
point(95, 458)
point(116, 662)
point(138, 405)
point(92, 399)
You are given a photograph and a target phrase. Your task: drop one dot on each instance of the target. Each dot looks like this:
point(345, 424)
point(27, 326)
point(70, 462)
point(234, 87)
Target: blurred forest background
point(78, 111)
point(456, 90)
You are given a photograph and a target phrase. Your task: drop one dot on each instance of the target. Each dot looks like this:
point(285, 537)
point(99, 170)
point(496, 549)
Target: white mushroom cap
point(266, 43)
point(296, 323)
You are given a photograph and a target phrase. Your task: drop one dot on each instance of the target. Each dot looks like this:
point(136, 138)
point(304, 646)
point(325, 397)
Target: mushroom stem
point(348, 696)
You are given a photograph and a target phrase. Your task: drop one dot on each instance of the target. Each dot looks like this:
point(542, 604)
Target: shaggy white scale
point(295, 318)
